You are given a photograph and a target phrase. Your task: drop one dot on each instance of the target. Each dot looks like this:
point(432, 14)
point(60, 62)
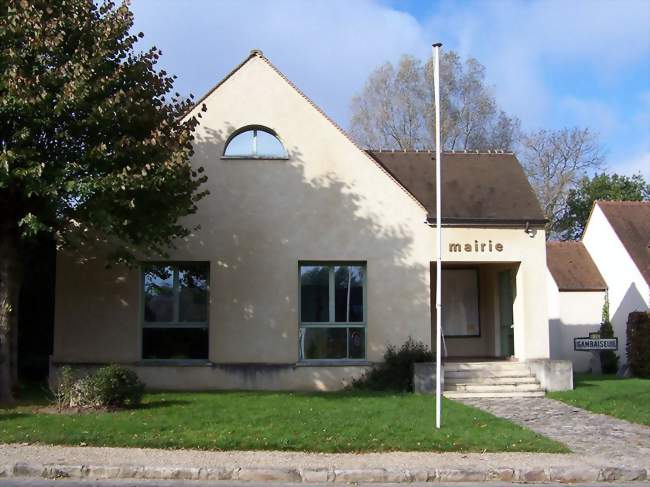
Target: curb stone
point(328, 475)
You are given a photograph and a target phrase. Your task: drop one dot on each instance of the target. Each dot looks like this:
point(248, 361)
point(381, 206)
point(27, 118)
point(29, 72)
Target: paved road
point(582, 431)
point(24, 482)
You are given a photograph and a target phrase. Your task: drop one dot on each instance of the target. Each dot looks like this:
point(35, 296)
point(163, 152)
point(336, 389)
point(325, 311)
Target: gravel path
point(582, 431)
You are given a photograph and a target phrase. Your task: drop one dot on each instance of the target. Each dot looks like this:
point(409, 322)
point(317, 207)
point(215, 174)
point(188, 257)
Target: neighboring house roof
point(631, 222)
point(572, 267)
point(487, 188)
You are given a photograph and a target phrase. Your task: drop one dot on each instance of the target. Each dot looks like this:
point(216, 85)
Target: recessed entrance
point(477, 309)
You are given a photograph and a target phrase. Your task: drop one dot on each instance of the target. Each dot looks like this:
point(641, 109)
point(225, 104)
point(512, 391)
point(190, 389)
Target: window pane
point(158, 293)
point(240, 145)
point(193, 292)
point(175, 343)
point(314, 294)
point(268, 145)
point(325, 343)
point(460, 314)
point(348, 294)
point(357, 338)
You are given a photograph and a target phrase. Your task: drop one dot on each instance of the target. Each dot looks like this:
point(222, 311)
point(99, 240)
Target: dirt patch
point(74, 411)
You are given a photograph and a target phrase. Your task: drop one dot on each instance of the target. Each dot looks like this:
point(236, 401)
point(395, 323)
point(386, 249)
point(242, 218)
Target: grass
point(623, 398)
point(316, 422)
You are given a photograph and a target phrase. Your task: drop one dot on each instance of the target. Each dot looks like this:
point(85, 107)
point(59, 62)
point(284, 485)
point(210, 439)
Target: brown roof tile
point(631, 222)
point(489, 188)
point(572, 267)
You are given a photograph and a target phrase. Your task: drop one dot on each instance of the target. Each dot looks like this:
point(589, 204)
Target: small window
point(255, 143)
point(332, 312)
point(175, 311)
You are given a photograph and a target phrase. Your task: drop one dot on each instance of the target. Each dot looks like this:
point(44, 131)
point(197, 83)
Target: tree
point(395, 110)
point(554, 162)
point(612, 187)
point(92, 150)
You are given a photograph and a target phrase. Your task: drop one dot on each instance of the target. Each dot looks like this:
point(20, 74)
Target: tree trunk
point(9, 287)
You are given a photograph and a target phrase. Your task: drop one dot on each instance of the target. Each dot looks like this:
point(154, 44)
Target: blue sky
point(551, 63)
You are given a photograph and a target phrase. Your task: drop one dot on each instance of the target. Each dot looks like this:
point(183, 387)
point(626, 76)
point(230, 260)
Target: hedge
point(638, 343)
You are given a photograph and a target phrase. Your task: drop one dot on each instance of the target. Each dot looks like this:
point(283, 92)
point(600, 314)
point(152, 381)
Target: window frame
point(254, 155)
point(174, 324)
point(332, 323)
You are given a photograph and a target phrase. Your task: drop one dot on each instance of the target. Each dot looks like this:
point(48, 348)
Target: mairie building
point(312, 256)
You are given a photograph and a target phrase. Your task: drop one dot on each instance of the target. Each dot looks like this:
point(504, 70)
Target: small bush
point(112, 386)
point(395, 373)
point(638, 343)
point(608, 358)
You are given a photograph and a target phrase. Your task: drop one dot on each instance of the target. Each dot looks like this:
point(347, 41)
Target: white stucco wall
point(328, 202)
point(572, 314)
point(628, 290)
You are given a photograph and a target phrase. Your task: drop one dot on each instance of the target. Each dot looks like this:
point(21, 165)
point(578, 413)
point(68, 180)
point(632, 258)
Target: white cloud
point(549, 60)
point(327, 48)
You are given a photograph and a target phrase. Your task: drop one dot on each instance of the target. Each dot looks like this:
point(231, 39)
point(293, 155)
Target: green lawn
point(318, 422)
point(624, 398)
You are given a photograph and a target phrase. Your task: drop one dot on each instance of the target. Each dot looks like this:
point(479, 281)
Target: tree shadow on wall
point(263, 217)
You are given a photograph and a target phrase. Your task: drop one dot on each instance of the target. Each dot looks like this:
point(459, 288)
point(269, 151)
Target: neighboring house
point(576, 294)
point(312, 256)
point(617, 237)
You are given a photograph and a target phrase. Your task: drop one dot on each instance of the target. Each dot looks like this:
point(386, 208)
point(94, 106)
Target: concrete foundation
point(553, 375)
point(424, 378)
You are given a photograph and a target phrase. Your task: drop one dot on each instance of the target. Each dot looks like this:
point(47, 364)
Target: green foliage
point(611, 187)
point(395, 373)
point(638, 343)
point(92, 147)
point(118, 386)
point(352, 422)
point(608, 358)
point(112, 386)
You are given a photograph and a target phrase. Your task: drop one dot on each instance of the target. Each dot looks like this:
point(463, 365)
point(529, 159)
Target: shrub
point(395, 373)
point(112, 386)
point(638, 343)
point(608, 358)
point(117, 386)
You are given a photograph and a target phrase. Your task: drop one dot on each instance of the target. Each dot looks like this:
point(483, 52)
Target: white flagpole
point(436, 89)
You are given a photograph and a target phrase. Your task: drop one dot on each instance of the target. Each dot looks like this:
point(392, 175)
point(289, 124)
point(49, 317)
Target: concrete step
point(493, 387)
point(463, 366)
point(529, 379)
point(479, 373)
point(463, 394)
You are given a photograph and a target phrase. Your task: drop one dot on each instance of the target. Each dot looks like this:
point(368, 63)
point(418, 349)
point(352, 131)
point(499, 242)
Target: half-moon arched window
point(254, 142)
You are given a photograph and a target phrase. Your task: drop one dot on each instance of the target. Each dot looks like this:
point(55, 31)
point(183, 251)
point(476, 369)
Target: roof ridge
point(623, 202)
point(563, 242)
point(458, 152)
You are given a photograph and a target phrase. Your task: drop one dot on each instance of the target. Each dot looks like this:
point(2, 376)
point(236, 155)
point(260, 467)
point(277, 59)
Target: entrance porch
point(478, 302)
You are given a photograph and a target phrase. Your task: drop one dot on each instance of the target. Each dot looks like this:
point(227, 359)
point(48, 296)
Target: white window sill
point(256, 158)
point(333, 363)
point(174, 363)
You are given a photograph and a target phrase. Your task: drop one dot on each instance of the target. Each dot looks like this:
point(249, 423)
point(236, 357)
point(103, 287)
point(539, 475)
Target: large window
point(460, 303)
point(332, 311)
point(175, 311)
point(254, 143)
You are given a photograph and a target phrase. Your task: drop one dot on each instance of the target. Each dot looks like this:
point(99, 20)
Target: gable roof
point(631, 222)
point(488, 188)
point(572, 267)
point(256, 53)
